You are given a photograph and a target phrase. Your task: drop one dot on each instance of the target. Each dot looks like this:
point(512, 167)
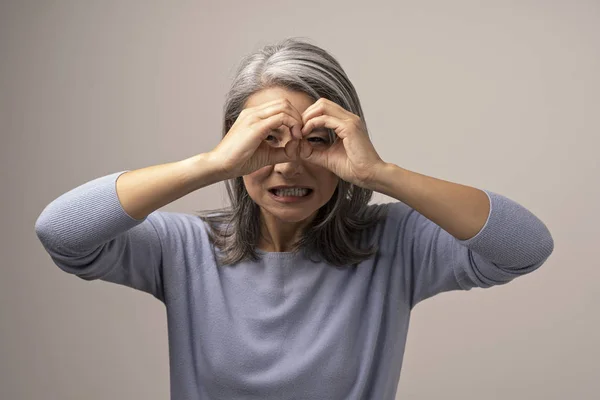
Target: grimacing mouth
point(272, 189)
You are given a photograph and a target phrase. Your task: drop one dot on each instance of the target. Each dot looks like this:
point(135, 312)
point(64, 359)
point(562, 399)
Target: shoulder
point(397, 211)
point(391, 217)
point(385, 212)
point(176, 227)
point(375, 222)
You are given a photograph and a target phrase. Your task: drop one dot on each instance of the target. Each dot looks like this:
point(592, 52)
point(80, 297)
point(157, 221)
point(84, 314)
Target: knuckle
point(290, 107)
point(252, 119)
point(280, 106)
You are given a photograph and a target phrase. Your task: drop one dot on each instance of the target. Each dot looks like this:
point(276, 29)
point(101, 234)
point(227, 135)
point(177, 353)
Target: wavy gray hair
point(297, 65)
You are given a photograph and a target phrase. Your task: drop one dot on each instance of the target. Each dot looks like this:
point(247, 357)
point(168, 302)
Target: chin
point(291, 215)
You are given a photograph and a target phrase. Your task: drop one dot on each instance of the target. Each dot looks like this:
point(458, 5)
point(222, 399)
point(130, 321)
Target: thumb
point(286, 154)
point(310, 154)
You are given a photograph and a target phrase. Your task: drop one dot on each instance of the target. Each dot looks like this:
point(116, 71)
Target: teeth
point(291, 192)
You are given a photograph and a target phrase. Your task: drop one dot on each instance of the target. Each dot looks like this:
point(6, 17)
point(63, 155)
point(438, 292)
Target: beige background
point(502, 95)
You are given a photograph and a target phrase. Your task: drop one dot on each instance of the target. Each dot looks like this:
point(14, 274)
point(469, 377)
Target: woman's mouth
point(291, 195)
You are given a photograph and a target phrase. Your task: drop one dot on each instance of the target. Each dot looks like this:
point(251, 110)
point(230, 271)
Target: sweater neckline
point(276, 254)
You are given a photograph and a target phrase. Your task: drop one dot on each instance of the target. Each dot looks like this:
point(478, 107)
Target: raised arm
point(105, 228)
point(454, 237)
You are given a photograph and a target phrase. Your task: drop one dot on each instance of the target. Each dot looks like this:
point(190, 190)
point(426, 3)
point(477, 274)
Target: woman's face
point(298, 173)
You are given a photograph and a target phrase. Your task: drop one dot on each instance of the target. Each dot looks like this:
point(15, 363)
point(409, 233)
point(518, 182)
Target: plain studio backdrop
point(502, 95)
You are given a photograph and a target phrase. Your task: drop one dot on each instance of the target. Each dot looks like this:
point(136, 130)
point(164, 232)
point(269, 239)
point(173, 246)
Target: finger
point(278, 106)
point(312, 155)
point(283, 106)
point(291, 149)
point(262, 105)
point(284, 154)
point(274, 122)
point(325, 106)
point(325, 121)
point(249, 111)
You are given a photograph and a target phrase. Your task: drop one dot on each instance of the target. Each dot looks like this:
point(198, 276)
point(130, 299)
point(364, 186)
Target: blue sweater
point(285, 327)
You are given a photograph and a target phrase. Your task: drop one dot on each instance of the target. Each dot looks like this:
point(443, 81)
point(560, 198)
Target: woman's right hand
point(243, 150)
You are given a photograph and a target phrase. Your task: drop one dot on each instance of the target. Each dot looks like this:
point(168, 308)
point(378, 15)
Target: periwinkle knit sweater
point(285, 327)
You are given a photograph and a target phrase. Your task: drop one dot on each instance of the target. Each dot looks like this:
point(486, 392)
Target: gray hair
point(297, 65)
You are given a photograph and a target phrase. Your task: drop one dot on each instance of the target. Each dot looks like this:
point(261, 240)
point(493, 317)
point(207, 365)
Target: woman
point(299, 289)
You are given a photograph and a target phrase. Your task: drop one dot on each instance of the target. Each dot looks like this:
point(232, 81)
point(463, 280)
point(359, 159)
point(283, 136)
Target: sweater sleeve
point(87, 233)
point(513, 242)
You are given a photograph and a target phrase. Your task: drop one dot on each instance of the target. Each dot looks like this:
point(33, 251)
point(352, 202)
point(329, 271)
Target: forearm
point(458, 209)
point(145, 190)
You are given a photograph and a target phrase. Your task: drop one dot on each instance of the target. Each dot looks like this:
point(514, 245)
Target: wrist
point(205, 169)
point(216, 165)
point(382, 177)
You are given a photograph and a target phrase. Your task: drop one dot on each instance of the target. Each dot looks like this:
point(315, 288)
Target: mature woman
point(300, 289)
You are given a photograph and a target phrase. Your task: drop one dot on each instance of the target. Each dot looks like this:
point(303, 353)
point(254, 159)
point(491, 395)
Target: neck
point(280, 236)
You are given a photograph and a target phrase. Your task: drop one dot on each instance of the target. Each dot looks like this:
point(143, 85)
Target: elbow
point(546, 246)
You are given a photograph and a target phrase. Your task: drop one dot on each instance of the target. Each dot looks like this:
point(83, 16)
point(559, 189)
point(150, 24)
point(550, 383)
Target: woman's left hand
point(352, 157)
